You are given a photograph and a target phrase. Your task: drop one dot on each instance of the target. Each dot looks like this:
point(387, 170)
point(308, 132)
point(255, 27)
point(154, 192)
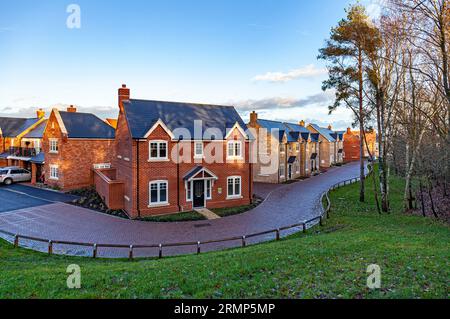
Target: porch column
point(33, 173)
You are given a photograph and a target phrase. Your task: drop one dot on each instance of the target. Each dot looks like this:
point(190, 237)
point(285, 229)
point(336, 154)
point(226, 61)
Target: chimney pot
point(72, 109)
point(40, 113)
point(302, 123)
point(330, 127)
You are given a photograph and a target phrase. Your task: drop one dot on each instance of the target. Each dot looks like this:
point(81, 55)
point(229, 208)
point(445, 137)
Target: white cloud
point(274, 103)
point(322, 99)
point(306, 72)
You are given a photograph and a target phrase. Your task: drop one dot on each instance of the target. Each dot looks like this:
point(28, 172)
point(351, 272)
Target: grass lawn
point(179, 217)
point(328, 262)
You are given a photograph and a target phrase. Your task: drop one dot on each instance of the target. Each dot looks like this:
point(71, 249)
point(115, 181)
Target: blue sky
point(254, 54)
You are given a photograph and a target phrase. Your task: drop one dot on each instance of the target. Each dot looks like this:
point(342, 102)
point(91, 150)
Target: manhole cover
point(202, 225)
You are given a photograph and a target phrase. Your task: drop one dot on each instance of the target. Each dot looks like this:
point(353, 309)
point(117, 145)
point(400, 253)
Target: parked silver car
point(9, 175)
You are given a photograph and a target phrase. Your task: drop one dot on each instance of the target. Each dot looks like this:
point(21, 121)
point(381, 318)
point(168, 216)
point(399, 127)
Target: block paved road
point(286, 205)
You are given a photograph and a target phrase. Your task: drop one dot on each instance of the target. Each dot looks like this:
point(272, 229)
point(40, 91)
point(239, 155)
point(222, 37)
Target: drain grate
point(202, 225)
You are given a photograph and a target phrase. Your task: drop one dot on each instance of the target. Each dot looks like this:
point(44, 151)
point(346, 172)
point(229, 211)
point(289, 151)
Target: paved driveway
point(286, 205)
point(17, 196)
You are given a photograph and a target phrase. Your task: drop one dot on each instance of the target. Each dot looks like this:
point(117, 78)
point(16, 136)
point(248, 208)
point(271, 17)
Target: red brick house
point(74, 144)
point(174, 157)
point(352, 144)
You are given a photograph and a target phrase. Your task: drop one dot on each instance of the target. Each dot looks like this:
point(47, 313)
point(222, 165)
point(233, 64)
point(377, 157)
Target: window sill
point(158, 205)
point(156, 160)
point(235, 158)
point(234, 197)
point(54, 178)
point(53, 152)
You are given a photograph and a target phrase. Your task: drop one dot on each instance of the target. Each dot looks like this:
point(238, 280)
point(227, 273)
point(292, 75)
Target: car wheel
point(8, 181)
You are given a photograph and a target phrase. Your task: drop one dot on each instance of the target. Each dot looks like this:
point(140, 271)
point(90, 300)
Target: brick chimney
point(253, 117)
point(72, 109)
point(40, 113)
point(124, 95)
point(302, 123)
point(330, 127)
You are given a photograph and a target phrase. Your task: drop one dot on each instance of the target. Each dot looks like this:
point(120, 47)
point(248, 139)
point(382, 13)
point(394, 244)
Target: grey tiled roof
point(293, 131)
point(325, 132)
point(11, 127)
point(193, 172)
point(297, 128)
point(143, 114)
point(38, 131)
point(38, 159)
point(86, 125)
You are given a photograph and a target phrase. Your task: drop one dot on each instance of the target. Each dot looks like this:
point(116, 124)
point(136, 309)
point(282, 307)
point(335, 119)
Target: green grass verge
point(225, 212)
point(328, 262)
point(179, 217)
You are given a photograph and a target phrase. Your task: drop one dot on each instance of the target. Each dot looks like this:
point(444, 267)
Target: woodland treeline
point(392, 72)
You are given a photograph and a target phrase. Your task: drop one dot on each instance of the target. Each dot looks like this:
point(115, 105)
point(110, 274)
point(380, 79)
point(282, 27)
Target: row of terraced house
point(162, 157)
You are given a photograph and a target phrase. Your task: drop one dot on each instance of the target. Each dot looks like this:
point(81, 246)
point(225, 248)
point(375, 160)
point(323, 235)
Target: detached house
point(331, 145)
point(74, 144)
point(352, 144)
point(173, 157)
point(21, 143)
point(285, 151)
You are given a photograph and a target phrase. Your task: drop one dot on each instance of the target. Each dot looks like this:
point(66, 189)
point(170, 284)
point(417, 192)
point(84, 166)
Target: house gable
point(157, 125)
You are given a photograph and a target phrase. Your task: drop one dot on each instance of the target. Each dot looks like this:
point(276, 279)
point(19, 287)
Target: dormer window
point(158, 150)
point(234, 149)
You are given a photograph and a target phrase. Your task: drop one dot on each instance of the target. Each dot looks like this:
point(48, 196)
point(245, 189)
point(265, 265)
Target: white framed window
point(198, 149)
point(158, 150)
point(234, 149)
point(159, 193)
point(53, 145)
point(188, 191)
point(234, 187)
point(54, 172)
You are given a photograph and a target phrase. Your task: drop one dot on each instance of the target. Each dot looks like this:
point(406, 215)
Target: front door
point(290, 171)
point(199, 194)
